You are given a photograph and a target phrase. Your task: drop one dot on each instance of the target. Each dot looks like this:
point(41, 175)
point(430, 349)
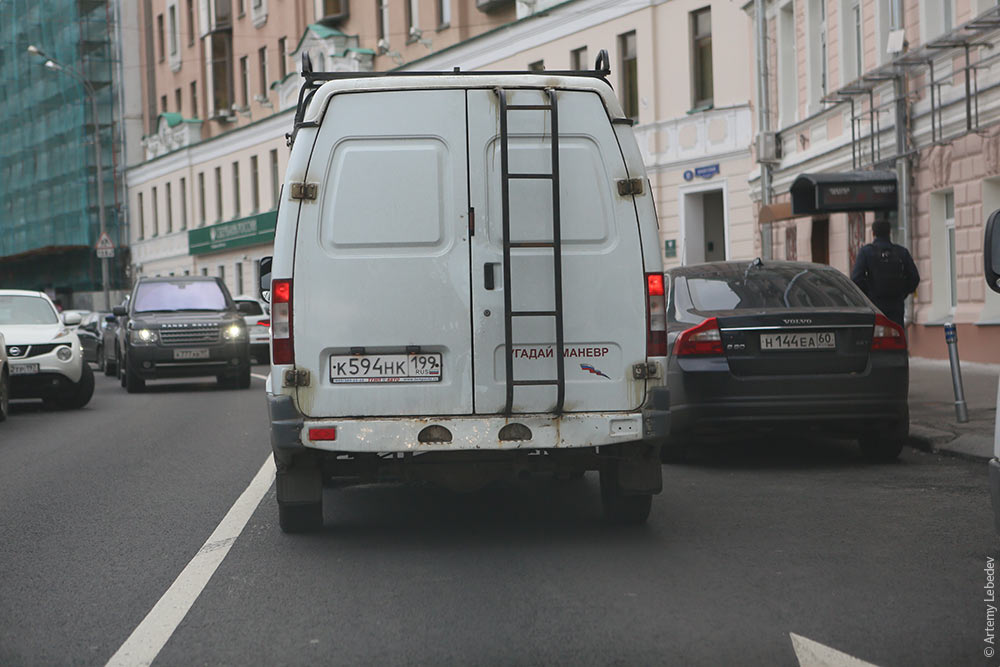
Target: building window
point(236, 189)
point(163, 104)
point(254, 185)
point(178, 101)
point(222, 272)
point(141, 232)
point(239, 277)
point(221, 73)
point(275, 184)
point(791, 242)
point(241, 8)
point(630, 75)
point(537, 66)
point(245, 81)
point(170, 209)
point(172, 13)
point(787, 73)
point(184, 203)
point(949, 225)
point(218, 194)
point(204, 270)
point(334, 9)
point(160, 36)
point(382, 10)
point(818, 65)
point(412, 19)
point(444, 13)
point(190, 22)
point(156, 214)
point(578, 59)
point(201, 199)
point(194, 99)
point(282, 59)
point(701, 58)
point(852, 62)
point(262, 57)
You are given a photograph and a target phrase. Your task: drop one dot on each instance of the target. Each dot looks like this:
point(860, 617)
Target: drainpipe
point(763, 119)
point(902, 112)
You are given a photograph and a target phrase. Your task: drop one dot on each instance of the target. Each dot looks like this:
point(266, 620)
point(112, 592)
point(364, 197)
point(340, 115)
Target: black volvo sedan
point(778, 346)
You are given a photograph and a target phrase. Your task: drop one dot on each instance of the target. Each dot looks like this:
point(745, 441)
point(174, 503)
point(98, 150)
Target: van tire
point(674, 450)
point(4, 395)
point(132, 382)
point(628, 510)
point(110, 368)
point(300, 518)
point(243, 377)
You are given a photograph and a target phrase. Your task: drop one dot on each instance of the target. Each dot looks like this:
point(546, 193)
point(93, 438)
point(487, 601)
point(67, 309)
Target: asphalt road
point(101, 509)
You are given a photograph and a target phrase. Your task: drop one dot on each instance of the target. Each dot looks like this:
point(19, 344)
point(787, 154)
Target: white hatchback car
point(256, 314)
point(44, 356)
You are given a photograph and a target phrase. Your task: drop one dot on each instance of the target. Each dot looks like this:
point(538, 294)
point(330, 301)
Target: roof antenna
point(755, 264)
point(603, 63)
point(307, 64)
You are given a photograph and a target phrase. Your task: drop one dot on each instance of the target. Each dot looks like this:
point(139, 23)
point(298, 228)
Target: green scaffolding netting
point(48, 177)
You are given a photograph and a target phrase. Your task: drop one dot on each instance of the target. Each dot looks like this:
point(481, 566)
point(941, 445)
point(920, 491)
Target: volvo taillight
point(701, 340)
point(887, 335)
point(656, 316)
point(282, 348)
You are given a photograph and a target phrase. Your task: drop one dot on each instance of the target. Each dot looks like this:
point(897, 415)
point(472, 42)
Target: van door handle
point(489, 279)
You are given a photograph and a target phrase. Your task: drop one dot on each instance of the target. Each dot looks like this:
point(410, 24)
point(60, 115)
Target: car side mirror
point(119, 311)
point(109, 318)
point(991, 252)
point(264, 288)
point(71, 319)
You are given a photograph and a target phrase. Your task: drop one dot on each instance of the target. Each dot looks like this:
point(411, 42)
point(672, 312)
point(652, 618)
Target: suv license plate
point(362, 368)
point(24, 369)
point(187, 355)
point(814, 340)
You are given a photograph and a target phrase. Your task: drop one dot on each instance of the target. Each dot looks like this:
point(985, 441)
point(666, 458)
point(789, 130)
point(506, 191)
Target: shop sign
point(253, 230)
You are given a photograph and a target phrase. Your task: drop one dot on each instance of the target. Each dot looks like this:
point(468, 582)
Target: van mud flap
point(638, 468)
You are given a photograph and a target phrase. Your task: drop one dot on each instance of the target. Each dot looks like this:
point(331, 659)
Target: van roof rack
point(313, 80)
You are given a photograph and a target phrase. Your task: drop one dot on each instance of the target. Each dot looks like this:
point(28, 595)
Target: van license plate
point(814, 340)
point(187, 355)
point(361, 368)
point(24, 369)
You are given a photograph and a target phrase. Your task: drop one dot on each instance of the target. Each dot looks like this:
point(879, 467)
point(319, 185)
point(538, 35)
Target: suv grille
point(191, 335)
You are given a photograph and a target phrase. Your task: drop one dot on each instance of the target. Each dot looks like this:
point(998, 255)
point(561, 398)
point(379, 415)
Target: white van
point(466, 286)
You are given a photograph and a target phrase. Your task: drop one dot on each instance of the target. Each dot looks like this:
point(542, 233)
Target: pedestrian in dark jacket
point(885, 272)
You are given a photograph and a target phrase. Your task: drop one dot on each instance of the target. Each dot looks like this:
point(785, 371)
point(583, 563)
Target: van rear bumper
point(290, 430)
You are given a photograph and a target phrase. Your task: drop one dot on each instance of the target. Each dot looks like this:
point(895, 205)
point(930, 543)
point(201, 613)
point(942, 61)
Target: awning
point(850, 191)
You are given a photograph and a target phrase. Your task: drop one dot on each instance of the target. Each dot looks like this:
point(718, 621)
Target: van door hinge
point(296, 377)
point(647, 370)
point(305, 191)
point(630, 186)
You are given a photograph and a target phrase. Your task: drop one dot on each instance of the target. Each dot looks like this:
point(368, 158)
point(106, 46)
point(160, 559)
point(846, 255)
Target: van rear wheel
point(619, 508)
point(301, 518)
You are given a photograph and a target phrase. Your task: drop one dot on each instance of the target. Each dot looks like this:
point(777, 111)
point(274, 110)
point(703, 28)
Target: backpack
point(887, 273)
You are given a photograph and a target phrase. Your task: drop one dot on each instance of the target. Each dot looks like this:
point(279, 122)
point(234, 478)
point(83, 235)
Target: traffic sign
point(105, 248)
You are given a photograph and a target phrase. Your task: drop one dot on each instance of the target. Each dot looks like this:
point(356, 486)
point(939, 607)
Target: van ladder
point(555, 245)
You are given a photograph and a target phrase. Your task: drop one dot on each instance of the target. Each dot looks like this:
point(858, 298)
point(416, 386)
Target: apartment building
point(219, 82)
point(883, 85)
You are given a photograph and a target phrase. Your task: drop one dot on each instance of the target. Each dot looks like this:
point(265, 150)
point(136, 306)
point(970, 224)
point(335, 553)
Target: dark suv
point(182, 327)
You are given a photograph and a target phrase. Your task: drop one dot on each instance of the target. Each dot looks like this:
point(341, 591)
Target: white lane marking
point(259, 376)
point(149, 638)
point(814, 654)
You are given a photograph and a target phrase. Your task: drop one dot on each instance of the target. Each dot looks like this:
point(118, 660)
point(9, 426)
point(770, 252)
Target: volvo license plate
point(814, 340)
point(361, 368)
point(24, 369)
point(188, 355)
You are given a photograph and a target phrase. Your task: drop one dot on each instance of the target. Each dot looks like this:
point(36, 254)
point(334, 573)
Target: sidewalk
point(933, 426)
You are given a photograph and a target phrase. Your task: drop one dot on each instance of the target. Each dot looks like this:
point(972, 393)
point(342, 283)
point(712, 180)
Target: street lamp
point(55, 66)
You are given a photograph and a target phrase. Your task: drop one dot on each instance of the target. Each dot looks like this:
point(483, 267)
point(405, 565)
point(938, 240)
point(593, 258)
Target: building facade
point(57, 98)
point(912, 87)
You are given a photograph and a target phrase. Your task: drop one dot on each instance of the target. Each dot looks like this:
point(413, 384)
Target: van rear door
point(381, 290)
point(604, 303)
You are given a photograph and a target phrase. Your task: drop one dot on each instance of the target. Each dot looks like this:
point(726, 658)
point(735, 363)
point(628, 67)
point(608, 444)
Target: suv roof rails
point(313, 80)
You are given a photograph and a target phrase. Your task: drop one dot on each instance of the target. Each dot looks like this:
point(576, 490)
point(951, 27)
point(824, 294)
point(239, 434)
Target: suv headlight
point(64, 353)
point(234, 332)
point(143, 336)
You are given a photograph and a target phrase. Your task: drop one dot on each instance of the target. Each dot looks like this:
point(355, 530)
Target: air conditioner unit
point(490, 5)
point(383, 46)
point(768, 150)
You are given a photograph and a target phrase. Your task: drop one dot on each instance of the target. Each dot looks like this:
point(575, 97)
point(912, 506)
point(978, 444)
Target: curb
point(933, 441)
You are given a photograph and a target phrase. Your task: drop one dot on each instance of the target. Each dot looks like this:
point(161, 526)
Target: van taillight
point(887, 335)
point(701, 340)
point(656, 316)
point(282, 349)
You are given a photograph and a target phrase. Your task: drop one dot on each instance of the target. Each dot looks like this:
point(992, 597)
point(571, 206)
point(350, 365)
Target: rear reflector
point(701, 340)
point(323, 433)
point(282, 341)
point(656, 316)
point(264, 323)
point(887, 335)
